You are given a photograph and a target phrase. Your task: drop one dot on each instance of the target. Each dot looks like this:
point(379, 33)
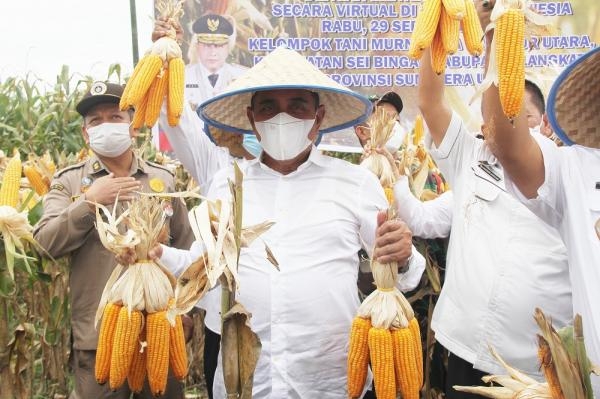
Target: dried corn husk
point(17, 234)
point(386, 306)
point(382, 128)
point(144, 285)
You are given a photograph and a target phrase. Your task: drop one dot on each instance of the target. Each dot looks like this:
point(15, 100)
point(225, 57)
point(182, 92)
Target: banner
point(363, 45)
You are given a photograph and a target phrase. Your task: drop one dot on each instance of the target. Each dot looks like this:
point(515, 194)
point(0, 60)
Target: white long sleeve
point(178, 260)
point(200, 156)
point(429, 219)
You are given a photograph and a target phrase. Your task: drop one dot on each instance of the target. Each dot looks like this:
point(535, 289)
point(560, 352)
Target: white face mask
point(283, 137)
point(397, 138)
point(109, 139)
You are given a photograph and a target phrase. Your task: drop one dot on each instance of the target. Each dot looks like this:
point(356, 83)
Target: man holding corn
point(503, 261)
point(562, 184)
point(112, 173)
point(324, 211)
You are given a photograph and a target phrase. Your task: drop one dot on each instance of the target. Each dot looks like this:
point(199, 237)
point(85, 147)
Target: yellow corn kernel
point(157, 335)
point(389, 195)
point(177, 350)
point(509, 35)
point(175, 95)
point(449, 29)
point(407, 375)
point(139, 114)
point(472, 30)
point(438, 54)
point(455, 8)
point(125, 343)
point(35, 179)
point(11, 181)
point(413, 325)
point(137, 370)
point(358, 356)
point(156, 95)
point(419, 130)
point(105, 341)
point(381, 351)
point(425, 27)
point(140, 85)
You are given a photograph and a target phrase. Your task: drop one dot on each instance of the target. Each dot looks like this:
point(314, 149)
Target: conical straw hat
point(574, 102)
point(285, 69)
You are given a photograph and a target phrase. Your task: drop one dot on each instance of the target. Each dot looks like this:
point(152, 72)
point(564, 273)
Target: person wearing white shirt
point(502, 262)
point(324, 210)
point(562, 184)
point(208, 73)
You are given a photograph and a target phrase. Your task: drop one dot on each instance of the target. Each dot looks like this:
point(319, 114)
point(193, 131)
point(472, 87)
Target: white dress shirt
point(569, 199)
point(426, 219)
point(502, 263)
point(198, 87)
point(324, 213)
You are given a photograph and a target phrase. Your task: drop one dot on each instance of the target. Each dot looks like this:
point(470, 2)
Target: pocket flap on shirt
point(489, 181)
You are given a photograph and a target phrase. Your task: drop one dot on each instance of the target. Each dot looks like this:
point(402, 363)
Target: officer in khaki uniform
point(67, 226)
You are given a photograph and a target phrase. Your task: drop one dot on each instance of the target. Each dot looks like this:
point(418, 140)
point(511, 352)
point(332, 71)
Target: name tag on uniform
point(191, 86)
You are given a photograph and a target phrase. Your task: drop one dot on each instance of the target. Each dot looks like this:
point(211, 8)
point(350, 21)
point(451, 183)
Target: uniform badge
point(157, 185)
point(96, 166)
point(86, 182)
point(98, 88)
point(213, 24)
point(57, 186)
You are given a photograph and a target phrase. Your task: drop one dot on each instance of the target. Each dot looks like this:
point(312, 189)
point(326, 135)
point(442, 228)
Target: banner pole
point(134, 33)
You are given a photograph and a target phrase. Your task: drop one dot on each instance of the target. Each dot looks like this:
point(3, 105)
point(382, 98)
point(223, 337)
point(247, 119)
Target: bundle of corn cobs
point(159, 74)
point(382, 128)
point(415, 162)
point(563, 360)
point(437, 27)
point(386, 333)
point(136, 336)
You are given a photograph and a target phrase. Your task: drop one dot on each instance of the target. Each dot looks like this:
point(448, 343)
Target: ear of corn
point(156, 95)
point(35, 179)
point(358, 356)
point(125, 343)
point(137, 370)
point(157, 335)
point(405, 367)
point(438, 54)
point(449, 31)
point(124, 103)
point(419, 130)
point(177, 350)
point(105, 341)
point(140, 85)
point(175, 93)
point(455, 8)
point(548, 368)
point(381, 353)
point(413, 325)
point(139, 114)
point(509, 35)
point(472, 30)
point(425, 27)
point(11, 181)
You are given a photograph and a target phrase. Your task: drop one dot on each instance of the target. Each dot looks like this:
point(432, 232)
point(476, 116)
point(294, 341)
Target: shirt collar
point(95, 165)
point(206, 72)
point(315, 157)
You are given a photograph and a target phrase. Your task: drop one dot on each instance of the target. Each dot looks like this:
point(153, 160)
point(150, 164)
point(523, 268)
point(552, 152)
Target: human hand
point(126, 257)
point(164, 27)
point(393, 241)
point(106, 189)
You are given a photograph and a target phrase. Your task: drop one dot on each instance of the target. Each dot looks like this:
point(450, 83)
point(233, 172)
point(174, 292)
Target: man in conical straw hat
point(562, 184)
point(324, 210)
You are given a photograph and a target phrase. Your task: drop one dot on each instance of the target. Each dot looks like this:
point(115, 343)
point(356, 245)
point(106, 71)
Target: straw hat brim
point(573, 105)
point(285, 69)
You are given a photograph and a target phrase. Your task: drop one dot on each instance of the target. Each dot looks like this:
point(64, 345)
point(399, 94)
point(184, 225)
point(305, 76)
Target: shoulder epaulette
point(159, 166)
point(78, 165)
